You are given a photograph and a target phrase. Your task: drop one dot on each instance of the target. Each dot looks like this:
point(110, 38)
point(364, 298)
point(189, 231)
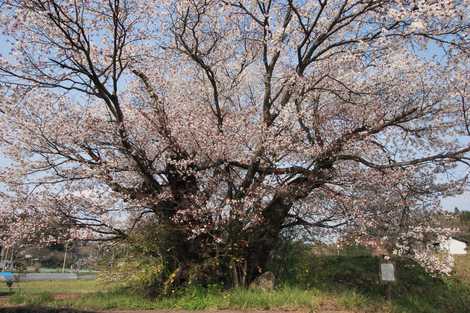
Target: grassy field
point(286, 298)
point(72, 287)
point(325, 283)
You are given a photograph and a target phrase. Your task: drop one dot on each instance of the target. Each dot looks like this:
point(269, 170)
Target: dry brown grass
point(462, 267)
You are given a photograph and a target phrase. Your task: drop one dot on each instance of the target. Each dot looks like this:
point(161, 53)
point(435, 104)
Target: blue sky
point(461, 202)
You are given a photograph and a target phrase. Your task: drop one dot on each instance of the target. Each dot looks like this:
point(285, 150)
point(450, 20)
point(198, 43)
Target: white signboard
point(387, 272)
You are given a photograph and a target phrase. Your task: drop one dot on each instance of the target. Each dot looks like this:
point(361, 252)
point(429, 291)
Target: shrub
point(136, 274)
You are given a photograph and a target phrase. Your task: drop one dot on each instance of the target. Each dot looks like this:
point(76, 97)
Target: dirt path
point(229, 311)
point(23, 309)
point(3, 301)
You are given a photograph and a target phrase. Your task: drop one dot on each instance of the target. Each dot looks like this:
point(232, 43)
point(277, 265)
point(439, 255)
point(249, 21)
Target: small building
point(455, 246)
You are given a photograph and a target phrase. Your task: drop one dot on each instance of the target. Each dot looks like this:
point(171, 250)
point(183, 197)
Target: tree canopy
point(227, 122)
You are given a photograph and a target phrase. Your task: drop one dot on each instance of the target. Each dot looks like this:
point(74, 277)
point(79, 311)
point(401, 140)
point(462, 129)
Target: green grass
point(193, 299)
point(199, 299)
point(353, 300)
point(285, 298)
point(31, 299)
point(328, 283)
point(72, 286)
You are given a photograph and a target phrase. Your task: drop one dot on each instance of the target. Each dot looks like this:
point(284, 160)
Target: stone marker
point(264, 282)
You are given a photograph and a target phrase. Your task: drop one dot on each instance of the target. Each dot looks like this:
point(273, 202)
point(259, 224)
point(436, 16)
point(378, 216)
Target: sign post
point(387, 277)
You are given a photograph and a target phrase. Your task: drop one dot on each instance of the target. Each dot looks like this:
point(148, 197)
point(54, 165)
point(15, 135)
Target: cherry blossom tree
point(228, 122)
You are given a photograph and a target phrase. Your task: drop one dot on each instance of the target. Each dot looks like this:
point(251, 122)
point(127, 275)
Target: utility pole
point(65, 257)
point(5, 259)
point(12, 254)
point(2, 257)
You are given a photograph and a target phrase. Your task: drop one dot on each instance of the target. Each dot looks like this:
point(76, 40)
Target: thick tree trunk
point(240, 266)
point(265, 240)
